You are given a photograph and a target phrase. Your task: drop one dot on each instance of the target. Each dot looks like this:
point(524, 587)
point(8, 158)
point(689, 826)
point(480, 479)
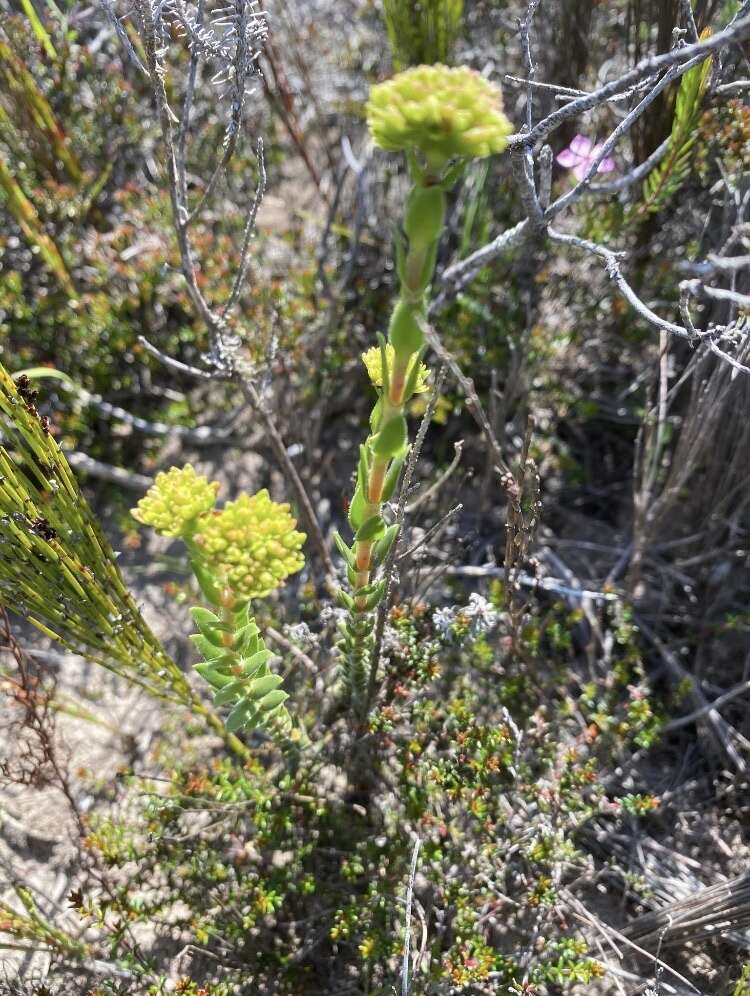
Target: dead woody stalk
point(234, 42)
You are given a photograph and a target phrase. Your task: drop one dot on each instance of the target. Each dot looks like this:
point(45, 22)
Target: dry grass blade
point(710, 913)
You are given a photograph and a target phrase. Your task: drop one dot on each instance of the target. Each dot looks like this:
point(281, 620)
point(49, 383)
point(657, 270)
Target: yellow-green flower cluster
point(251, 545)
point(374, 363)
point(444, 113)
point(175, 500)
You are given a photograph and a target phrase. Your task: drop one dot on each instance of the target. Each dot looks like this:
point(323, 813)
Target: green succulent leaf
point(391, 478)
point(344, 600)
point(207, 648)
point(272, 700)
point(370, 529)
point(262, 686)
point(391, 439)
point(384, 544)
point(206, 581)
point(211, 626)
point(357, 509)
point(251, 665)
point(384, 371)
point(229, 693)
point(246, 640)
point(244, 714)
point(343, 549)
point(204, 617)
point(212, 675)
point(415, 373)
point(405, 331)
point(363, 469)
point(376, 596)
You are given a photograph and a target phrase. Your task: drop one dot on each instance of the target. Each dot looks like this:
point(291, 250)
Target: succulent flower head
point(175, 500)
point(443, 113)
point(374, 363)
point(251, 545)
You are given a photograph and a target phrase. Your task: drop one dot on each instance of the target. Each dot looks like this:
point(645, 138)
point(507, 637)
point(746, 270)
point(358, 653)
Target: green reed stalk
point(57, 569)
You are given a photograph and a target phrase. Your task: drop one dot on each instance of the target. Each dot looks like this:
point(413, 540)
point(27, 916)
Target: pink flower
point(581, 155)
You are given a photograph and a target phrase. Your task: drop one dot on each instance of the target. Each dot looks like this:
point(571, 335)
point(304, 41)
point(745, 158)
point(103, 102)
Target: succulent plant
point(57, 569)
point(435, 115)
point(243, 551)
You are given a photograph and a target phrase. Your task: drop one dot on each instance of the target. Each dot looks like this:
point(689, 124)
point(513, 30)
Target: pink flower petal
point(581, 145)
point(567, 158)
point(581, 155)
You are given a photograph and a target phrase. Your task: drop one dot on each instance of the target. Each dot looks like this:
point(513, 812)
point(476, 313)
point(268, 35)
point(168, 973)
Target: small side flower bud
point(373, 361)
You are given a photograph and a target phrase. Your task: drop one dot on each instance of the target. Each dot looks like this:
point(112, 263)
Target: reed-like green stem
point(58, 571)
point(34, 113)
point(28, 220)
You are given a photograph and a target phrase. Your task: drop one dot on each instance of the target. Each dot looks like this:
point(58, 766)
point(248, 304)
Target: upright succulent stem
point(440, 118)
point(384, 450)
